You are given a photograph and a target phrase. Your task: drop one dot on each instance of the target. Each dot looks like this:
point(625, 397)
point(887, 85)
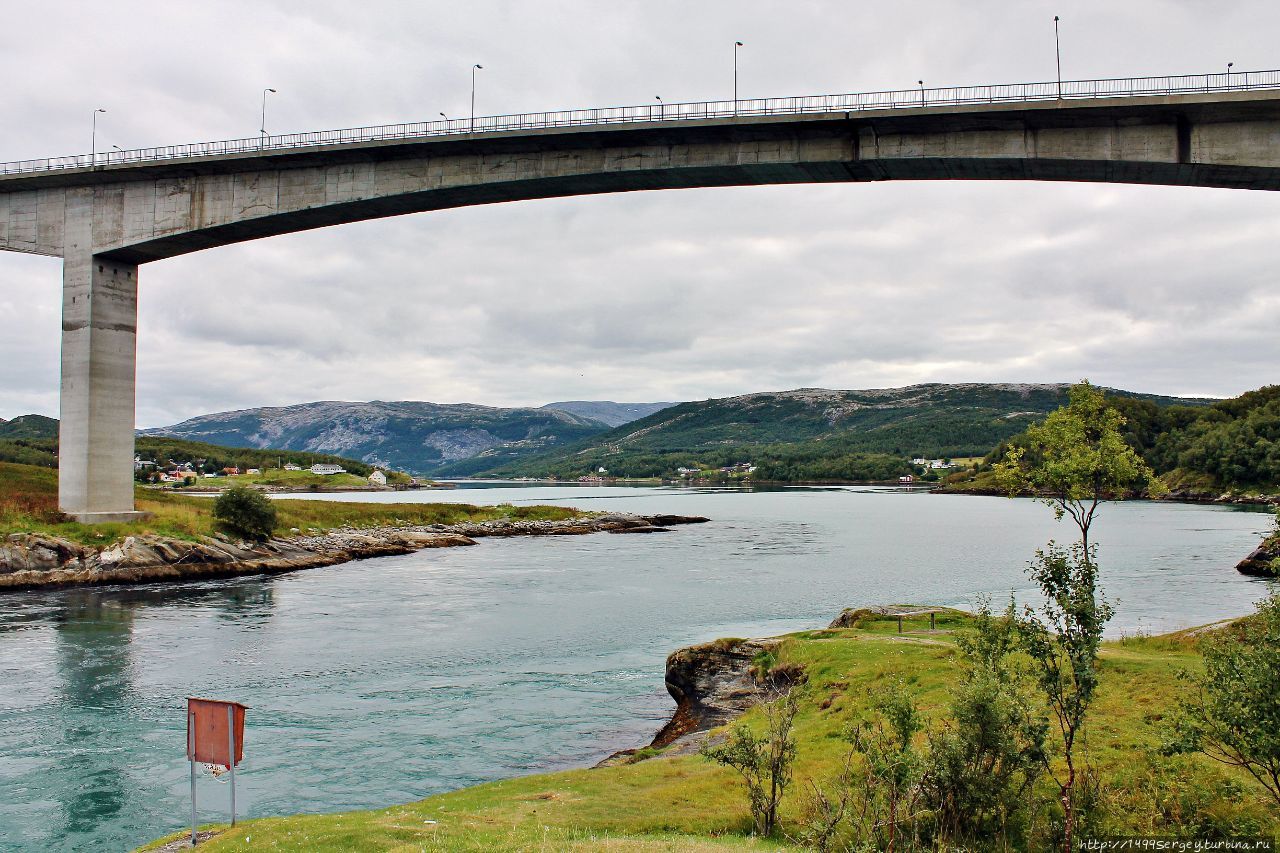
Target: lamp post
point(1057, 53)
point(736, 45)
point(1229, 64)
point(93, 140)
point(474, 68)
point(662, 110)
point(263, 129)
point(446, 122)
point(921, 82)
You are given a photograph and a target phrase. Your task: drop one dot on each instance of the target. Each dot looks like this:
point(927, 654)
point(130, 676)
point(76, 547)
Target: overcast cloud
point(671, 295)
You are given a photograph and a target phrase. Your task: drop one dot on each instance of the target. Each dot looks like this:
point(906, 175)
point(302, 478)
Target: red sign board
point(207, 736)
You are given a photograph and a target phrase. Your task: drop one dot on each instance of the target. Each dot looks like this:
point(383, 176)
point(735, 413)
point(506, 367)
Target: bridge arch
point(106, 220)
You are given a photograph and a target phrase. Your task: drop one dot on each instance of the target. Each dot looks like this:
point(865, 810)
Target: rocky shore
point(1263, 561)
point(715, 683)
point(30, 561)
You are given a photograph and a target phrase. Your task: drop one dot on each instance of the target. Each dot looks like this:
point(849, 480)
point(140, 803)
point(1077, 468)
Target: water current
point(387, 680)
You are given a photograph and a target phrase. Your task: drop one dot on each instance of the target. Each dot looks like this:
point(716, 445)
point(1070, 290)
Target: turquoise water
point(391, 679)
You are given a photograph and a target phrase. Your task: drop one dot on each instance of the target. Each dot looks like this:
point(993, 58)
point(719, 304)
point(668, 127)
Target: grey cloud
point(669, 295)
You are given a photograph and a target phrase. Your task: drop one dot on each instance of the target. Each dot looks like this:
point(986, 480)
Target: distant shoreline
point(153, 559)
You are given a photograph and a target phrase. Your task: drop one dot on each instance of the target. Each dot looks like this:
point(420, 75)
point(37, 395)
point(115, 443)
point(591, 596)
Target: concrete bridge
point(106, 215)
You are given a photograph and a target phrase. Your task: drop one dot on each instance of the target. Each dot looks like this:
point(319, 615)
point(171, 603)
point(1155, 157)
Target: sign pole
point(231, 757)
point(191, 757)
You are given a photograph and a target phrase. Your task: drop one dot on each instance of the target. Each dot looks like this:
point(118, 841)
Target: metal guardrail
point(664, 112)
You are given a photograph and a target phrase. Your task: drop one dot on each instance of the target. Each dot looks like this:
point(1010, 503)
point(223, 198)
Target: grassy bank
point(280, 478)
point(687, 803)
point(29, 504)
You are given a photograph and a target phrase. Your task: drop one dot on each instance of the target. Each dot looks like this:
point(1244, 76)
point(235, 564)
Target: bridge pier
point(99, 357)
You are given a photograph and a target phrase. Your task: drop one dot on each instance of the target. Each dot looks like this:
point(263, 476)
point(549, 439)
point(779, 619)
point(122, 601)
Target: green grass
point(290, 479)
point(687, 803)
point(29, 504)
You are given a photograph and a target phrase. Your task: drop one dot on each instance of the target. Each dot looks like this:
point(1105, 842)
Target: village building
point(378, 478)
point(326, 469)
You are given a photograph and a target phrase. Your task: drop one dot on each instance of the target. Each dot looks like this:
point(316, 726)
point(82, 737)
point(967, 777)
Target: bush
point(246, 513)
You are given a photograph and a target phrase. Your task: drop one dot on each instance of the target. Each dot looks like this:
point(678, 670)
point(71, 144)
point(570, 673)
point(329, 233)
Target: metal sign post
point(215, 735)
point(231, 750)
point(191, 755)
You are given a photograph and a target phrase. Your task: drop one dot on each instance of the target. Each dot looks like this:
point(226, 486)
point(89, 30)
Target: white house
point(378, 478)
point(326, 469)
point(289, 466)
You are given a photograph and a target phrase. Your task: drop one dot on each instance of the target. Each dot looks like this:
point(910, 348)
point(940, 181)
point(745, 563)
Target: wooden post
point(899, 623)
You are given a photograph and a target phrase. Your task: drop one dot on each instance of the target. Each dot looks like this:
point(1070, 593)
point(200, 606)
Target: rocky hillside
point(422, 438)
point(608, 412)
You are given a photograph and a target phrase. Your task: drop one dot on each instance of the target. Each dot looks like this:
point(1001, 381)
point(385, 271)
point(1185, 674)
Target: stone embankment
point(30, 561)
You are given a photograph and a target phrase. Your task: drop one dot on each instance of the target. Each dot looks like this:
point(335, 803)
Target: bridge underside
point(107, 221)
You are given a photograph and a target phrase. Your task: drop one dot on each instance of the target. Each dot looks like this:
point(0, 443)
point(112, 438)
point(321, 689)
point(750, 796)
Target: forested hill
point(1230, 445)
point(33, 440)
point(817, 434)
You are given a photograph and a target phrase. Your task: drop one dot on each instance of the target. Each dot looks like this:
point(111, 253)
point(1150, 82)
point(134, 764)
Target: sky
point(670, 295)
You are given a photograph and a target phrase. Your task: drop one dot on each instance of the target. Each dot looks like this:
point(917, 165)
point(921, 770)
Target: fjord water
point(387, 680)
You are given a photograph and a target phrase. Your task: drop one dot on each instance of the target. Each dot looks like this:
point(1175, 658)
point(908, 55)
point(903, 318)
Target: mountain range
point(815, 433)
point(646, 439)
point(437, 439)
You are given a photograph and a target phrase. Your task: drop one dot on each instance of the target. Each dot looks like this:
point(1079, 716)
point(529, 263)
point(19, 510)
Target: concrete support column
point(99, 339)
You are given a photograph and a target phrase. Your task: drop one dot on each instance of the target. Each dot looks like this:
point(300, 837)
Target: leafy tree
point(1233, 712)
point(764, 761)
point(1075, 459)
point(246, 513)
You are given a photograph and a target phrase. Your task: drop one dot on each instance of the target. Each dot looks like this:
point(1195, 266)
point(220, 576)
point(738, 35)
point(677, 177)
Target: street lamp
point(1057, 52)
point(736, 45)
point(263, 129)
point(1229, 64)
point(474, 68)
point(921, 82)
point(93, 140)
point(662, 110)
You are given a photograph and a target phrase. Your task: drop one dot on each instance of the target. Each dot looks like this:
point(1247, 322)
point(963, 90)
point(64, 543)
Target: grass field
point(29, 504)
point(289, 479)
point(687, 803)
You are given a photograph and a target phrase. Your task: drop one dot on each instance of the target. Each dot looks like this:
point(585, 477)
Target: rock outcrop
point(1263, 561)
point(713, 684)
point(29, 560)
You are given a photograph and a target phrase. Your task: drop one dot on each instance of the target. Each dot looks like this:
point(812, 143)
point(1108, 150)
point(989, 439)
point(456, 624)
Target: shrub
point(763, 761)
point(246, 513)
point(1232, 712)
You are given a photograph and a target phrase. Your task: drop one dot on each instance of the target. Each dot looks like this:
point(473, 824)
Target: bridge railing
point(674, 112)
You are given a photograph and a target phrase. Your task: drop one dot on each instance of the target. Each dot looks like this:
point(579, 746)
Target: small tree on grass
point(888, 787)
point(1233, 712)
point(1062, 640)
point(246, 513)
point(1074, 461)
point(763, 761)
